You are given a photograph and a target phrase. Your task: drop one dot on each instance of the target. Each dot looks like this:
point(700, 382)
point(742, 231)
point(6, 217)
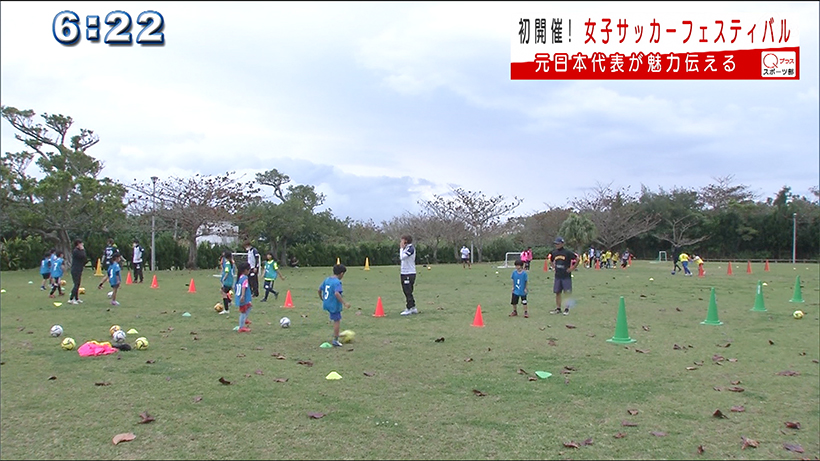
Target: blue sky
point(382, 105)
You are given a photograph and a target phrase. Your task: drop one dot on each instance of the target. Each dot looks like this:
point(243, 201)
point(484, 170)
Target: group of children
point(52, 268)
point(230, 272)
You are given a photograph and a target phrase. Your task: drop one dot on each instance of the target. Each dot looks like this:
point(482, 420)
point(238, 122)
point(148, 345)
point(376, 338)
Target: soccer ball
point(798, 315)
point(110, 294)
point(219, 307)
point(113, 329)
point(284, 322)
point(56, 330)
point(118, 336)
point(68, 344)
point(347, 336)
point(62, 283)
point(81, 290)
point(141, 343)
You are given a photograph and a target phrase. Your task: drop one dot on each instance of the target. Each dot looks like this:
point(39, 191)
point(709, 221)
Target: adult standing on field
point(407, 255)
point(136, 261)
point(564, 262)
point(465, 257)
point(255, 262)
point(78, 260)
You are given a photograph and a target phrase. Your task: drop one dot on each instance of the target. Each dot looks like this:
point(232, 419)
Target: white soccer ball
point(118, 336)
point(56, 330)
point(284, 322)
point(110, 294)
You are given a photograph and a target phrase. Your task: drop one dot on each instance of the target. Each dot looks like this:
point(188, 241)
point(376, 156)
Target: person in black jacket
point(675, 256)
point(78, 261)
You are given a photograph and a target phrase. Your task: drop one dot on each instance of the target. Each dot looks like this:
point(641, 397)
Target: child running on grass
point(56, 274)
point(227, 264)
point(114, 277)
point(271, 273)
point(45, 269)
point(519, 288)
point(243, 296)
point(330, 292)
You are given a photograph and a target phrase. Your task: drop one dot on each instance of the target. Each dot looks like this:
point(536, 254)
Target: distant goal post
point(509, 259)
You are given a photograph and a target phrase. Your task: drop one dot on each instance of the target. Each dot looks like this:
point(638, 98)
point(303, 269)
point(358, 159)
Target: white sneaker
point(406, 312)
point(79, 301)
point(71, 301)
point(414, 311)
point(223, 312)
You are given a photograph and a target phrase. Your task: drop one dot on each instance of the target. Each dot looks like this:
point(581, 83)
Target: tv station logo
point(778, 64)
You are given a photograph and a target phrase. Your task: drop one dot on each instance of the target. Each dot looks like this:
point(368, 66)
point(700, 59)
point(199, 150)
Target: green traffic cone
point(621, 333)
point(798, 294)
point(711, 314)
point(759, 305)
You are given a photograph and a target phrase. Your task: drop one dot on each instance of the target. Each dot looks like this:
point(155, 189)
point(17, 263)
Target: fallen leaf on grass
point(632, 412)
point(735, 389)
point(150, 361)
point(718, 358)
point(468, 359)
point(691, 368)
point(102, 383)
point(591, 335)
point(542, 328)
point(224, 381)
point(572, 444)
point(723, 345)
point(278, 356)
point(146, 418)
point(52, 378)
point(124, 437)
point(792, 425)
point(551, 342)
point(645, 327)
point(259, 372)
point(198, 398)
point(719, 414)
point(788, 373)
point(478, 393)
point(678, 309)
point(628, 424)
point(258, 348)
point(771, 342)
point(748, 443)
point(738, 408)
point(700, 364)
point(793, 447)
point(815, 361)
point(315, 415)
point(587, 441)
point(280, 380)
point(619, 435)
point(676, 347)
point(642, 351)
point(735, 382)
point(439, 340)
point(570, 326)
point(194, 333)
point(717, 388)
point(732, 360)
point(532, 378)
point(658, 433)
point(305, 362)
point(521, 371)
point(369, 374)
point(240, 355)
point(700, 449)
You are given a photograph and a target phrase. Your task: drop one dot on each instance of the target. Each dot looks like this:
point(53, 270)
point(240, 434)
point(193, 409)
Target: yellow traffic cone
point(99, 269)
point(366, 264)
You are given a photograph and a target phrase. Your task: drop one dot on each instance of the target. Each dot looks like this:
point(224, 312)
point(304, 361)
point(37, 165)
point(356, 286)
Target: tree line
point(69, 199)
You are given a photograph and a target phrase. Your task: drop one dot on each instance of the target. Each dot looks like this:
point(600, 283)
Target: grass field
point(404, 392)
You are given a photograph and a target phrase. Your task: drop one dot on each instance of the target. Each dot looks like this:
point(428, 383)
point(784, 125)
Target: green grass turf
point(404, 395)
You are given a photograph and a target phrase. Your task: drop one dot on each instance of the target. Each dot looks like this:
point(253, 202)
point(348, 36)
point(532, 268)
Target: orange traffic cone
point(154, 283)
point(379, 308)
point(629, 263)
point(766, 269)
point(729, 270)
point(128, 280)
point(598, 265)
point(701, 272)
point(288, 301)
point(192, 287)
point(546, 265)
point(748, 267)
point(478, 321)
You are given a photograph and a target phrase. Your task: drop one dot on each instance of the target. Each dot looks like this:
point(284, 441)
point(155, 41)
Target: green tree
point(681, 218)
point(616, 214)
point(69, 199)
point(578, 231)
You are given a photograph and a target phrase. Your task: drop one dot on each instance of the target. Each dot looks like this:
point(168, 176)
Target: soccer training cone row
point(98, 273)
point(154, 283)
point(128, 279)
point(192, 287)
point(478, 320)
point(288, 301)
point(798, 294)
point(379, 308)
point(712, 314)
point(621, 330)
point(759, 304)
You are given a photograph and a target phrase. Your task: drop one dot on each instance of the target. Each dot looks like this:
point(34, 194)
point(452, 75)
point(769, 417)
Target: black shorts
point(515, 298)
point(47, 276)
point(226, 288)
point(465, 260)
point(115, 286)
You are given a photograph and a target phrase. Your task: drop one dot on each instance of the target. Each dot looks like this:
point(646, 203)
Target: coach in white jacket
point(407, 254)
